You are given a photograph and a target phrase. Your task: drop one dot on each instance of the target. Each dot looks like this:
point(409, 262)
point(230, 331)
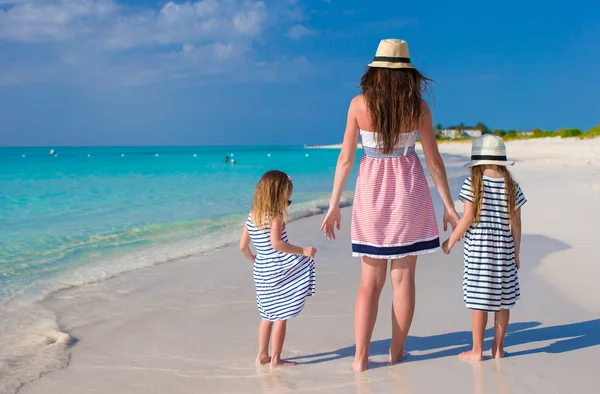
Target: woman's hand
point(450, 216)
point(332, 220)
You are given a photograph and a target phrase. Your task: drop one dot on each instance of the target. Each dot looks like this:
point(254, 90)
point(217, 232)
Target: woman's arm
point(245, 245)
point(461, 228)
point(281, 246)
point(342, 171)
point(516, 231)
point(436, 167)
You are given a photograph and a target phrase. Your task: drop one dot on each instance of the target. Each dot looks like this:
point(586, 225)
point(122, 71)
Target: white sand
point(190, 326)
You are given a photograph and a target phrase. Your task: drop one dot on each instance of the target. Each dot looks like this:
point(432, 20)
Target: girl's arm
point(284, 247)
point(245, 245)
point(461, 228)
point(516, 231)
point(342, 171)
point(436, 167)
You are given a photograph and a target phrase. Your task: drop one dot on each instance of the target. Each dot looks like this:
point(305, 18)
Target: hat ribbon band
point(391, 59)
point(488, 157)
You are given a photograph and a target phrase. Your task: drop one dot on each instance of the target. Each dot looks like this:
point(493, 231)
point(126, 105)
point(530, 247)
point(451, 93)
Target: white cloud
point(132, 44)
point(297, 32)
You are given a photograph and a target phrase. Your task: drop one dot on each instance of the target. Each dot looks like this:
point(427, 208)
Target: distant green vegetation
point(567, 133)
point(510, 135)
point(591, 133)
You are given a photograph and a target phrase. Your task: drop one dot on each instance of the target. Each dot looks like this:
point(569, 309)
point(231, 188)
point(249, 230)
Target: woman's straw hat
point(488, 149)
point(392, 53)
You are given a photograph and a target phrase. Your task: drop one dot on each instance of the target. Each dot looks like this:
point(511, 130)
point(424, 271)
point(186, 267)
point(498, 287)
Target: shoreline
point(136, 326)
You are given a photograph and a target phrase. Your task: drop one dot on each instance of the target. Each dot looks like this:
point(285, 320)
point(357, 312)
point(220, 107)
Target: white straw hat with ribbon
point(488, 149)
point(392, 53)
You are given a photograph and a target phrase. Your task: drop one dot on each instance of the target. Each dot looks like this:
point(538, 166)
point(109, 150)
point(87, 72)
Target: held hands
point(309, 251)
point(448, 245)
point(333, 220)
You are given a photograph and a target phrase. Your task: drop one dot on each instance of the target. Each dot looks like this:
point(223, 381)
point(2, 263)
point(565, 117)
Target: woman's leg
point(367, 302)
point(264, 336)
point(402, 273)
point(277, 346)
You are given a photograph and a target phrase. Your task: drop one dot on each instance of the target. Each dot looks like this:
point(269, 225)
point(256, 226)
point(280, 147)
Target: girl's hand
point(309, 251)
point(332, 219)
point(450, 217)
point(518, 262)
point(447, 246)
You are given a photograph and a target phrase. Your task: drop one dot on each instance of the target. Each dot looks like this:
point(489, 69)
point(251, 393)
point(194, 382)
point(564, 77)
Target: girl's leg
point(277, 346)
point(402, 273)
point(367, 302)
point(478, 326)
point(264, 335)
point(500, 326)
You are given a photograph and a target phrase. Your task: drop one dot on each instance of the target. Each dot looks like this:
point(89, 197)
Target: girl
point(492, 221)
point(284, 274)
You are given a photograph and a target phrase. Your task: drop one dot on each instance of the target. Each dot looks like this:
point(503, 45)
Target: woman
point(393, 216)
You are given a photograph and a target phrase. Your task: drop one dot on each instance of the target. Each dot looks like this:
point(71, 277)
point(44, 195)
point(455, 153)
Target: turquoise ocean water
point(82, 214)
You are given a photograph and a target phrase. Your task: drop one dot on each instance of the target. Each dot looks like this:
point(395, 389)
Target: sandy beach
point(189, 326)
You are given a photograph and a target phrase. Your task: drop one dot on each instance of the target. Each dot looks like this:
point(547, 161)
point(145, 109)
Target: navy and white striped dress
point(491, 280)
point(283, 281)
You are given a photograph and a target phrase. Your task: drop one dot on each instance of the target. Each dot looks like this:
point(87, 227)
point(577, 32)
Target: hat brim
point(379, 64)
point(496, 162)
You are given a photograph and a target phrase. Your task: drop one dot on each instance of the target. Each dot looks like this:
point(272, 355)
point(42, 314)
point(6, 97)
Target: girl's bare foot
point(471, 355)
point(358, 366)
point(262, 359)
point(282, 363)
point(496, 353)
point(395, 358)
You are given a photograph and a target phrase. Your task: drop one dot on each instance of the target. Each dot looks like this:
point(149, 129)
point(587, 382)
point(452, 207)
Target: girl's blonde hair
point(510, 191)
point(271, 197)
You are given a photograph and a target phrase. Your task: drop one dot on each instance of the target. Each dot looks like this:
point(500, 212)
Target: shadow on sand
point(566, 337)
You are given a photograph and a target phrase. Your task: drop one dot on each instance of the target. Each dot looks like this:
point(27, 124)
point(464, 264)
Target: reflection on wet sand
point(394, 374)
point(479, 382)
point(272, 381)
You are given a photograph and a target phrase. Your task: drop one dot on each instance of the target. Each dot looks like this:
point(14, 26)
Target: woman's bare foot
point(395, 358)
point(359, 366)
point(471, 356)
point(262, 359)
point(282, 363)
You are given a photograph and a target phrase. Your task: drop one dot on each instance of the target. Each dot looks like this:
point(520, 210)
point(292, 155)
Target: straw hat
point(488, 149)
point(392, 53)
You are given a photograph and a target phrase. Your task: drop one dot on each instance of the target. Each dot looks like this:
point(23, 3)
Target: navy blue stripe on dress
point(395, 250)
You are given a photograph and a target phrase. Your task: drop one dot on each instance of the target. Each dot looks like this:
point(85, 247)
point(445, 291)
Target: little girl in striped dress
point(284, 274)
point(492, 222)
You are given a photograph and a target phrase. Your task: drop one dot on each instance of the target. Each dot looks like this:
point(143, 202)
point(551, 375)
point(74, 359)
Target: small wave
point(31, 342)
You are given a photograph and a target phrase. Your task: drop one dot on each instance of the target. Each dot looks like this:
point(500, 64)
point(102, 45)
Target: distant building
point(454, 132)
point(526, 133)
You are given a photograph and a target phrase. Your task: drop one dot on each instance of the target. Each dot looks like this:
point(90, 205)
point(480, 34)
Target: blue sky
point(134, 72)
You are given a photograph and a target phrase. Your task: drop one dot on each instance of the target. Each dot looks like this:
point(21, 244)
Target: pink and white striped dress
point(392, 215)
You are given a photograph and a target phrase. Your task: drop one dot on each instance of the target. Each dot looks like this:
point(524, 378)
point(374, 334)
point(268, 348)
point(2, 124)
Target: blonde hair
point(271, 197)
point(510, 192)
